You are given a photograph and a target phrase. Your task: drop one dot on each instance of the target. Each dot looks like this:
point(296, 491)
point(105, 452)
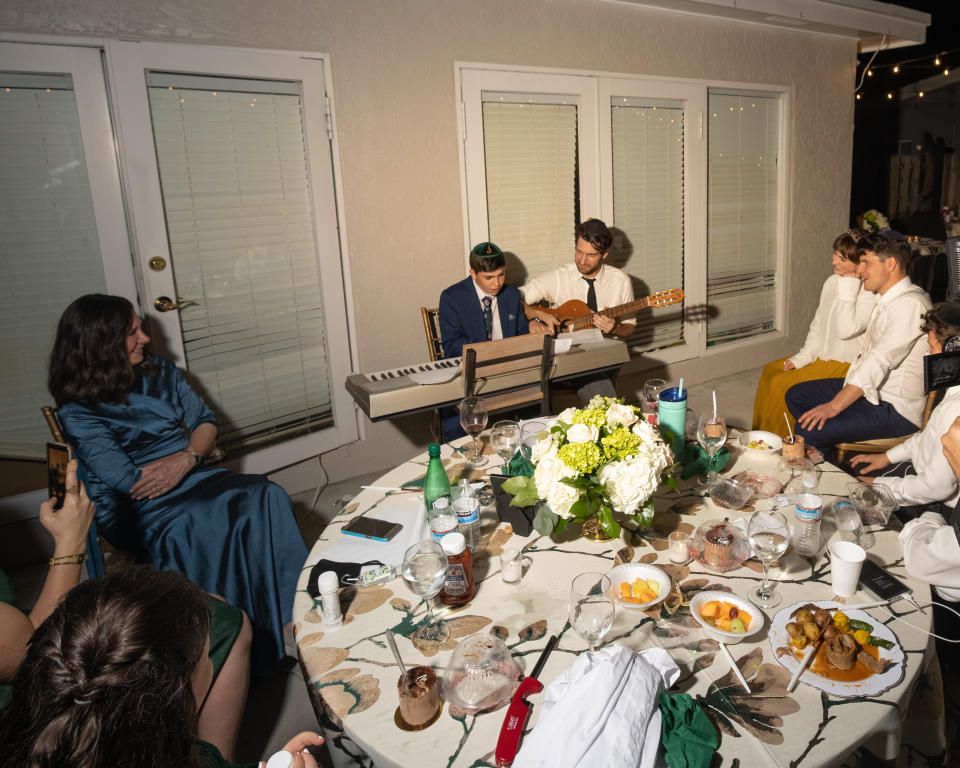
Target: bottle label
point(456, 582)
point(468, 511)
point(806, 515)
point(441, 525)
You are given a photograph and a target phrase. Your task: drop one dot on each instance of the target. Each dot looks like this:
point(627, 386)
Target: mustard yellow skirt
point(769, 404)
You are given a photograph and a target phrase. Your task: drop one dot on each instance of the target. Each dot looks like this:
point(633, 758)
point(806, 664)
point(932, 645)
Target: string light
point(946, 71)
point(869, 73)
point(889, 95)
point(920, 94)
point(896, 69)
point(936, 61)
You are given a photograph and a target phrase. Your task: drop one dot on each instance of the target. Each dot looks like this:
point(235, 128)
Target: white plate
point(631, 571)
point(756, 615)
point(871, 686)
point(774, 441)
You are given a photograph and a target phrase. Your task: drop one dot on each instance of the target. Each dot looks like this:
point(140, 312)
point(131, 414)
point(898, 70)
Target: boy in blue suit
point(481, 307)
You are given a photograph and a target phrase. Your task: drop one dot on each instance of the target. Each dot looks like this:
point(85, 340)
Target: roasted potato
point(822, 617)
point(804, 617)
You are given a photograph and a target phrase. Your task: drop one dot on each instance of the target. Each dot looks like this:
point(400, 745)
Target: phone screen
point(877, 581)
point(371, 528)
point(58, 455)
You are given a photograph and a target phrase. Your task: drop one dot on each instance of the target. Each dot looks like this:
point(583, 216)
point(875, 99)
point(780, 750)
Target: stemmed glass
point(505, 440)
point(424, 569)
point(529, 434)
point(591, 607)
point(769, 534)
point(651, 393)
point(850, 527)
point(473, 419)
point(711, 434)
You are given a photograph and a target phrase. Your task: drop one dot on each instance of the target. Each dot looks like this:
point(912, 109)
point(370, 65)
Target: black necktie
point(591, 293)
point(488, 315)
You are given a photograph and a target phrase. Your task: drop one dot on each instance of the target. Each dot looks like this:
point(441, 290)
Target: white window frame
point(595, 164)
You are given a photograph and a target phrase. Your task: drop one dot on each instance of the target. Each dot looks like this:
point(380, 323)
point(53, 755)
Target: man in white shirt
point(589, 274)
point(931, 480)
point(882, 394)
point(594, 282)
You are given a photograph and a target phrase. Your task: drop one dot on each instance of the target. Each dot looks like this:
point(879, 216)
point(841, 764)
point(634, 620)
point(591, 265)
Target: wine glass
point(529, 434)
point(424, 569)
point(850, 527)
point(473, 419)
point(505, 440)
point(711, 434)
point(769, 534)
point(651, 393)
point(591, 607)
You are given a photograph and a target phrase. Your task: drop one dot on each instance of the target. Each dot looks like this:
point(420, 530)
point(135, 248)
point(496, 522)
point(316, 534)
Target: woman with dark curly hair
point(114, 677)
point(141, 433)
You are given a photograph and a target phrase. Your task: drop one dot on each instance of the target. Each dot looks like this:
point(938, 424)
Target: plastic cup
point(672, 411)
point(419, 693)
point(793, 451)
point(846, 561)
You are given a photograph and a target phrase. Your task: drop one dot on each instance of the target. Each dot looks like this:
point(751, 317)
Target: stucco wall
point(392, 65)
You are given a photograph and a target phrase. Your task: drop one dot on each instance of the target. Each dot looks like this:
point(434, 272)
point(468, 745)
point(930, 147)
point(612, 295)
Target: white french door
point(234, 251)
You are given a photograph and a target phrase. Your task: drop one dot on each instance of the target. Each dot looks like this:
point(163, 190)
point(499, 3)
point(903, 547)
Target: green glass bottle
point(436, 483)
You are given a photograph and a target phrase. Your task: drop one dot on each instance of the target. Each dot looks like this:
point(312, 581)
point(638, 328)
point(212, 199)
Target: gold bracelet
point(77, 559)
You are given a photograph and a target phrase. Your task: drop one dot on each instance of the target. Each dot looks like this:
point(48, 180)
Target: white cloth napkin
point(603, 711)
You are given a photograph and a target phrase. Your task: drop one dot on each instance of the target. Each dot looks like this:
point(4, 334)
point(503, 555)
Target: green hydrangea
point(582, 457)
point(619, 444)
point(599, 401)
point(592, 417)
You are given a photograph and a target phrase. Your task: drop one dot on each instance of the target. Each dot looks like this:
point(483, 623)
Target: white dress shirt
point(613, 288)
point(496, 332)
point(934, 480)
point(890, 364)
point(931, 553)
point(837, 325)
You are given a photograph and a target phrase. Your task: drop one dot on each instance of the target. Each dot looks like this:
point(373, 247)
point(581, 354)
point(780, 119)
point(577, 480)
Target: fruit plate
point(870, 686)
point(724, 636)
point(642, 571)
point(768, 442)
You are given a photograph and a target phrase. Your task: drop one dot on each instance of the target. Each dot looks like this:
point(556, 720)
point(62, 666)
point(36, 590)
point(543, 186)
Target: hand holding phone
point(58, 457)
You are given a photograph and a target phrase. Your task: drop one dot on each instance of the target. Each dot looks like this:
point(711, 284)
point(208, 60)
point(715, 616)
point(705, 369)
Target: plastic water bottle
point(468, 520)
point(464, 489)
point(442, 519)
point(809, 512)
point(436, 484)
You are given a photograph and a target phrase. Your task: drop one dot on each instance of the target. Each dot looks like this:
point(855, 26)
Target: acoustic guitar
point(575, 315)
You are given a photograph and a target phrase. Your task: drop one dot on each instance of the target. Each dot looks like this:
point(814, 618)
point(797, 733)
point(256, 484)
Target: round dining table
point(352, 676)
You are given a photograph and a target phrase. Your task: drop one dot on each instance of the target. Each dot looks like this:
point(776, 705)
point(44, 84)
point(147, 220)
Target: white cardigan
point(934, 480)
point(931, 553)
point(841, 317)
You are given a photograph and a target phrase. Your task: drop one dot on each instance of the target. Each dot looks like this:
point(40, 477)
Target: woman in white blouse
point(833, 340)
point(931, 479)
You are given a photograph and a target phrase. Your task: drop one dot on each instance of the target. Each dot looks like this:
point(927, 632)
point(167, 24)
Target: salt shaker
point(329, 586)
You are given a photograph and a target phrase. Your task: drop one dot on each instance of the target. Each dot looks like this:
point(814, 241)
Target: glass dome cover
point(481, 674)
point(719, 546)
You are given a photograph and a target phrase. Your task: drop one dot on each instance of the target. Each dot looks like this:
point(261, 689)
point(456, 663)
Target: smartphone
point(58, 455)
point(881, 584)
point(371, 528)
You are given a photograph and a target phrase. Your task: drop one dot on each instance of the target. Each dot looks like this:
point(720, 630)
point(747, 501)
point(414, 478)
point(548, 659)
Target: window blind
point(49, 248)
point(530, 151)
point(648, 208)
point(742, 202)
point(236, 196)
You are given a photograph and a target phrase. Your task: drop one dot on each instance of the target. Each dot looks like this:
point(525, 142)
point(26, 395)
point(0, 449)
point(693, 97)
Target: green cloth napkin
point(687, 736)
point(696, 462)
point(519, 466)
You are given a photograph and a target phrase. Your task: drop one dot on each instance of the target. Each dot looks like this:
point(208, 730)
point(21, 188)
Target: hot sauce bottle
point(458, 586)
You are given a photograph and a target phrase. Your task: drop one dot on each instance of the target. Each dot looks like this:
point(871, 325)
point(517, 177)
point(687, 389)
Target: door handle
point(164, 304)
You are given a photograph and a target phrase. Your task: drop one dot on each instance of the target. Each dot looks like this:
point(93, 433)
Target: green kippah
point(486, 251)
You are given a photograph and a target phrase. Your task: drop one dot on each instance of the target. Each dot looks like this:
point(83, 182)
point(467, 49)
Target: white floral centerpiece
point(594, 461)
point(874, 221)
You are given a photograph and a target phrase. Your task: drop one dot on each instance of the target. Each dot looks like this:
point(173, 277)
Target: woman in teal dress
point(140, 433)
point(115, 676)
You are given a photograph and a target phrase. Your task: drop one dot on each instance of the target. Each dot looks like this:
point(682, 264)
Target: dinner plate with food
point(854, 654)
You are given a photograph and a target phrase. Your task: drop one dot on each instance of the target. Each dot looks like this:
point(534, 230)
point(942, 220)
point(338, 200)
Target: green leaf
point(545, 521)
point(610, 526)
point(524, 491)
point(561, 524)
point(673, 483)
point(581, 509)
point(515, 485)
point(581, 483)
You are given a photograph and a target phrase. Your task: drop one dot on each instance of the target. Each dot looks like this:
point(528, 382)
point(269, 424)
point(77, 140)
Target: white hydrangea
point(630, 482)
point(548, 473)
point(566, 415)
point(547, 445)
point(582, 433)
point(620, 414)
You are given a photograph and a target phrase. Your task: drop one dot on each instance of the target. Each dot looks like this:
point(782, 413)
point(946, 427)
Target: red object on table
point(519, 710)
